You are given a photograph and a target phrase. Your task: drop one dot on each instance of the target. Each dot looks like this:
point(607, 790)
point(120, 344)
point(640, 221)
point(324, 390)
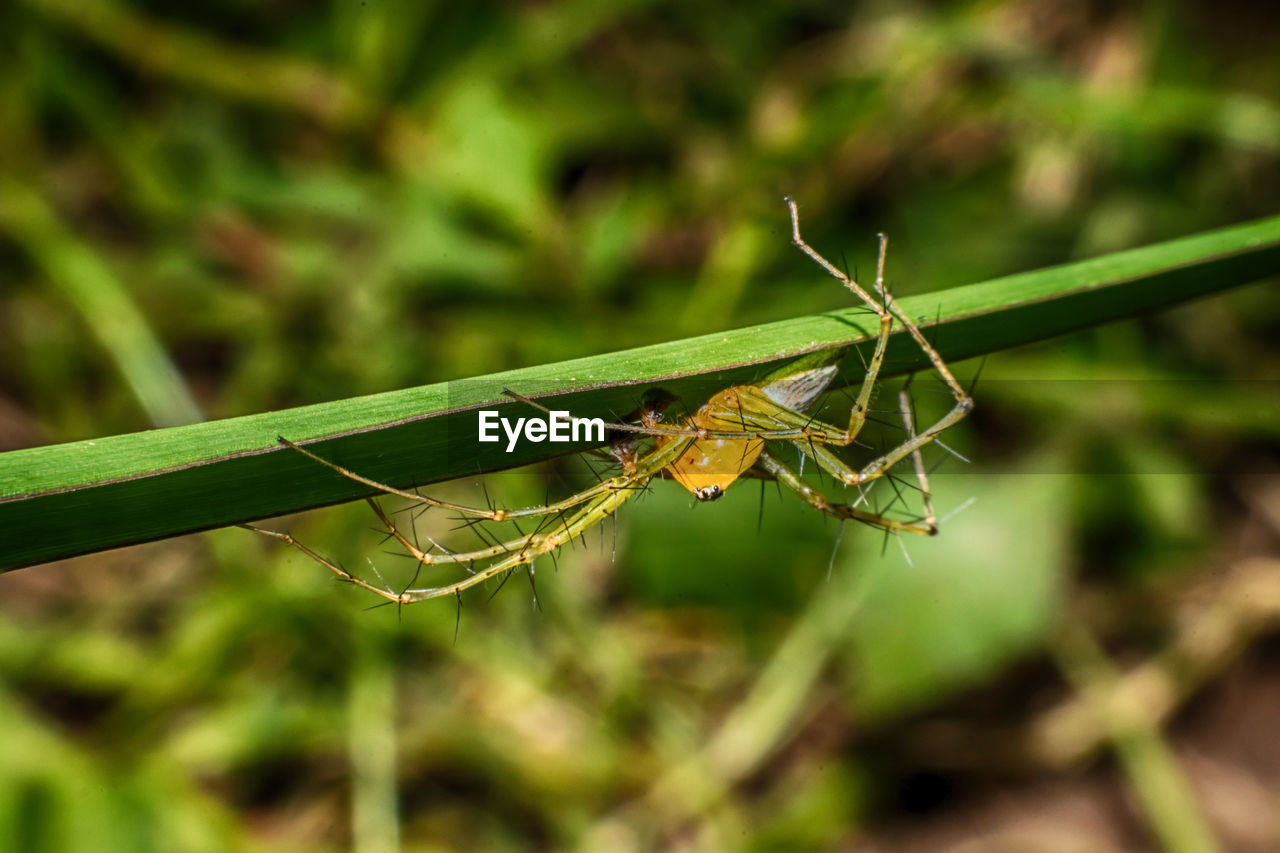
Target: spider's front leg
point(342, 574)
point(485, 513)
point(523, 550)
point(557, 528)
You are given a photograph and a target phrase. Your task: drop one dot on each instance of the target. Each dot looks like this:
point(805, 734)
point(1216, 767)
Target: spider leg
point(672, 431)
point(522, 552)
point(426, 558)
point(490, 513)
point(830, 462)
point(816, 443)
point(496, 515)
point(858, 416)
point(342, 573)
point(837, 467)
point(912, 445)
point(917, 459)
point(888, 307)
point(816, 499)
point(600, 503)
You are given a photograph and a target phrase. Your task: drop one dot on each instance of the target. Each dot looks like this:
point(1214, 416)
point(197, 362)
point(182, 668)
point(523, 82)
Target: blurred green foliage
point(250, 206)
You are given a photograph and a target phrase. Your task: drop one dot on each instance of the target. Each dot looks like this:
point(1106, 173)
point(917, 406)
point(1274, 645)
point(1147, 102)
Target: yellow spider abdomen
point(710, 465)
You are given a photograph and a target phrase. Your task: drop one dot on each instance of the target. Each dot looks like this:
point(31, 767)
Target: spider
point(726, 439)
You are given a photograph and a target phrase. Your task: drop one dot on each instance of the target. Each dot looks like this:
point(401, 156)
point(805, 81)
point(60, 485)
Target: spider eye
point(709, 493)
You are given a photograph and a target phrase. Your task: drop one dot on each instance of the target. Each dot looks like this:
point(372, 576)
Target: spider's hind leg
point(889, 306)
point(838, 468)
point(917, 459)
point(789, 478)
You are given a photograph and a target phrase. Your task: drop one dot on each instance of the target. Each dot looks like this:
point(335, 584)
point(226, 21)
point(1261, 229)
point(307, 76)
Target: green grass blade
point(104, 304)
point(191, 56)
point(89, 496)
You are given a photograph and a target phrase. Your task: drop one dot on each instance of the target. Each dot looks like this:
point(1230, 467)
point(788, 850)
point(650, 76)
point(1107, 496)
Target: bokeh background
point(231, 208)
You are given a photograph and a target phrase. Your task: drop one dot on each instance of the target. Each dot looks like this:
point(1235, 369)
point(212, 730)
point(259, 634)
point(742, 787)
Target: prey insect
point(732, 435)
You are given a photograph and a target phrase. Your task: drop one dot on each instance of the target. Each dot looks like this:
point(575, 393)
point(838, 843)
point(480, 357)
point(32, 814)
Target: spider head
point(652, 406)
point(708, 493)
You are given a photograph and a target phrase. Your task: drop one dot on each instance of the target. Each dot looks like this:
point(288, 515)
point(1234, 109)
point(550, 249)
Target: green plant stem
point(1152, 769)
